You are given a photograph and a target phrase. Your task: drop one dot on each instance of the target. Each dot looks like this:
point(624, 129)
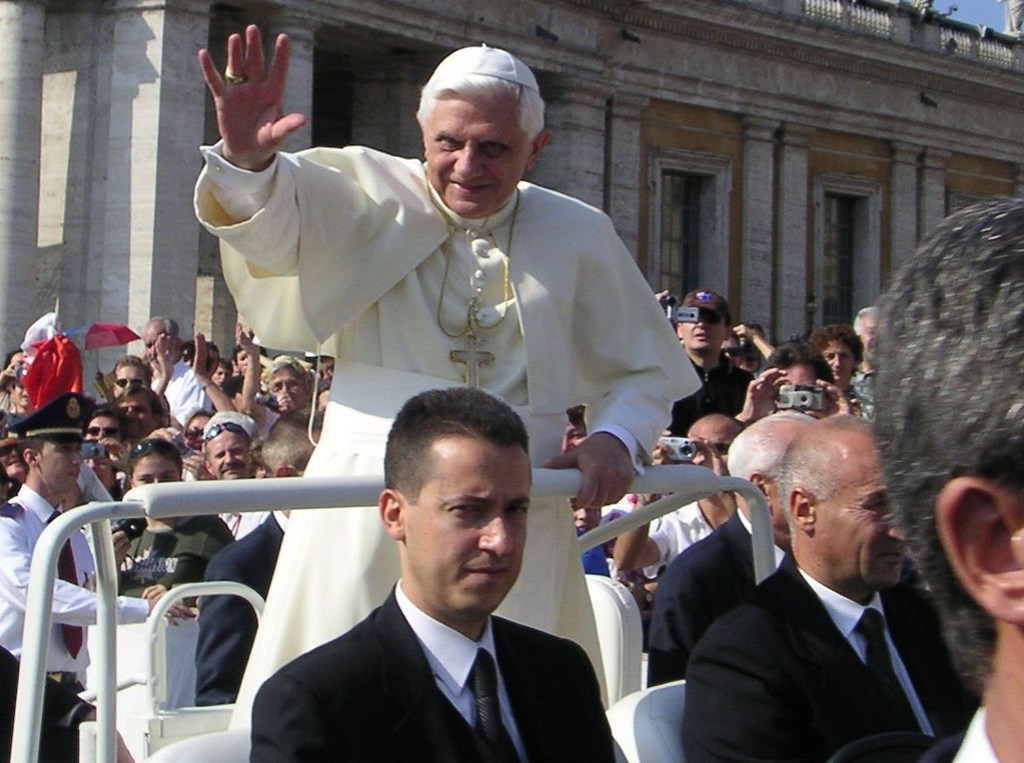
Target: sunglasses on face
point(224, 426)
point(103, 431)
point(129, 382)
point(709, 317)
point(155, 445)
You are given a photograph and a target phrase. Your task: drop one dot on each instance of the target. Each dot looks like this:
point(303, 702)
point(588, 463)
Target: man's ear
point(981, 526)
point(802, 509)
point(392, 505)
point(537, 145)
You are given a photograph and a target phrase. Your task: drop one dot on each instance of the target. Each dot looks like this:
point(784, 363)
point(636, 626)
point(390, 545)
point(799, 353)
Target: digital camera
point(679, 449)
point(92, 449)
point(801, 397)
point(133, 527)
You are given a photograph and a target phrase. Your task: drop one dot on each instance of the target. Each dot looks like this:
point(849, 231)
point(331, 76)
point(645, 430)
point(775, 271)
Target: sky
point(991, 13)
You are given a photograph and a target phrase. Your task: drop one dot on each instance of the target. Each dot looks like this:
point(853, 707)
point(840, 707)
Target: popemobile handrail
point(684, 484)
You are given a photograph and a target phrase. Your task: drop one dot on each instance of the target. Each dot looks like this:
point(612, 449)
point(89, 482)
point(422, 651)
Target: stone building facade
point(785, 152)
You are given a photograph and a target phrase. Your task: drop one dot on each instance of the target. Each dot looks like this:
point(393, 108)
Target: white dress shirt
point(675, 532)
point(846, 614)
point(451, 656)
point(976, 747)
point(183, 392)
point(72, 604)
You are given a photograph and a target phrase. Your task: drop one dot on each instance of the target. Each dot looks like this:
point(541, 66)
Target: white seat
point(648, 724)
point(619, 634)
point(231, 746)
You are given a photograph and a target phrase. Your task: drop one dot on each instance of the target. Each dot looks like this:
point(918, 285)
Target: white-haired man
point(422, 274)
point(713, 576)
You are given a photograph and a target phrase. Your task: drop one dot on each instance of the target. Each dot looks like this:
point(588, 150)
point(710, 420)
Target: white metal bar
point(214, 497)
point(156, 628)
point(38, 616)
point(695, 484)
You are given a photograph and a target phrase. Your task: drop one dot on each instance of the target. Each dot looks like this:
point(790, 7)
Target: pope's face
point(462, 537)
point(476, 151)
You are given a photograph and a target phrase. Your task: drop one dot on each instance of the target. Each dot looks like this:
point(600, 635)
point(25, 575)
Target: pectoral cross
point(472, 357)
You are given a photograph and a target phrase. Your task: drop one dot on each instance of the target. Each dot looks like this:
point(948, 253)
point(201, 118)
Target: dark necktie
point(879, 662)
point(484, 683)
point(73, 634)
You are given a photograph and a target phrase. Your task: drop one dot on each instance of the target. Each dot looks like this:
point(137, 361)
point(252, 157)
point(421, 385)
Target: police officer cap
point(60, 420)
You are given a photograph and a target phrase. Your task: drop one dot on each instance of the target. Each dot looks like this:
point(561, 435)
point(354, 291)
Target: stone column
point(623, 161)
point(299, 84)
point(574, 160)
point(933, 189)
point(21, 86)
point(791, 226)
point(755, 287)
point(156, 123)
point(385, 97)
point(903, 202)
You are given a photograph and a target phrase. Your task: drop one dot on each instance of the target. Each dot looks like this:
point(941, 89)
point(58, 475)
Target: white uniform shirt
point(72, 604)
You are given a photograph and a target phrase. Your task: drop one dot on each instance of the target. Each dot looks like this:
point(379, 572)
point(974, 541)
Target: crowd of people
point(455, 404)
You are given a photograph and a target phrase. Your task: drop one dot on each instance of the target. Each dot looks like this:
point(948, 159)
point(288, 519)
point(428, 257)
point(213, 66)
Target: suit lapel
point(427, 726)
point(842, 679)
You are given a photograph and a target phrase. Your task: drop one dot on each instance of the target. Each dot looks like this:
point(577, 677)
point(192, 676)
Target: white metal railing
point(685, 483)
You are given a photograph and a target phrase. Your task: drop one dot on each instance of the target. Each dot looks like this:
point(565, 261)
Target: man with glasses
point(183, 391)
point(832, 647)
point(227, 448)
point(717, 573)
point(723, 384)
point(143, 410)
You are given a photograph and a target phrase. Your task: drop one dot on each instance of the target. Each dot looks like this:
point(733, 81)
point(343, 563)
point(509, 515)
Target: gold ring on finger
point(234, 79)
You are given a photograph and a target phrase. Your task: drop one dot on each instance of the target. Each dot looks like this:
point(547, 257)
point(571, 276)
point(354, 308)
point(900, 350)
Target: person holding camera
point(703, 323)
point(163, 553)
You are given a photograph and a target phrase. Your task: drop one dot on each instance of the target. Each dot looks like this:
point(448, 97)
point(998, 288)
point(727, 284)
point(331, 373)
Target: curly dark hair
point(838, 332)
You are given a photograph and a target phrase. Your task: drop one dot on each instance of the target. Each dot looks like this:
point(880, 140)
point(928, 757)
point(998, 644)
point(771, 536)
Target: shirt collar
point(779, 553)
point(486, 224)
point(845, 613)
point(450, 654)
point(35, 503)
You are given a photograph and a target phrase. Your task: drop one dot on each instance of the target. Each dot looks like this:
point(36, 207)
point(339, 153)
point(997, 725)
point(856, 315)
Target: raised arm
point(248, 100)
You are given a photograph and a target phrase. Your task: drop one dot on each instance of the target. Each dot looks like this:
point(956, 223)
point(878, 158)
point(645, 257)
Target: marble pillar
point(21, 82)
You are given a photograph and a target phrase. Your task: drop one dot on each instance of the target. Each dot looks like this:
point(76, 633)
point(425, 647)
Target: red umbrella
point(108, 335)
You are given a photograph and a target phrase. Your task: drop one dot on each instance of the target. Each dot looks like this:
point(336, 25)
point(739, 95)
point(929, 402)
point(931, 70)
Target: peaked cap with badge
point(60, 420)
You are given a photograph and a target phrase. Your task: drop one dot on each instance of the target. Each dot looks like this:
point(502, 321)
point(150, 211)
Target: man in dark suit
point(227, 624)
point(416, 680)
point(713, 576)
point(830, 648)
point(950, 423)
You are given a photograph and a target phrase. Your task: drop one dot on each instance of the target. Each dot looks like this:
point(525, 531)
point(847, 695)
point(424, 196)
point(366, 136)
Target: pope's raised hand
point(248, 100)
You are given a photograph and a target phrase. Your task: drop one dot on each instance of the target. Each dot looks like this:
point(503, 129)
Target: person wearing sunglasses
point(723, 384)
point(228, 439)
point(107, 427)
point(170, 551)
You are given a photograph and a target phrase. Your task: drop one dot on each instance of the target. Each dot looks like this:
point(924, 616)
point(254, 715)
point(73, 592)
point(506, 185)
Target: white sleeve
point(240, 192)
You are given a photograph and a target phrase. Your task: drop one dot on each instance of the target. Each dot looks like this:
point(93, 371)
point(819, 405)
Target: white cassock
point(352, 255)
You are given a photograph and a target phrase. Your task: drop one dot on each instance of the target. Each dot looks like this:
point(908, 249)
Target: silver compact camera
point(687, 314)
point(679, 449)
point(801, 397)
